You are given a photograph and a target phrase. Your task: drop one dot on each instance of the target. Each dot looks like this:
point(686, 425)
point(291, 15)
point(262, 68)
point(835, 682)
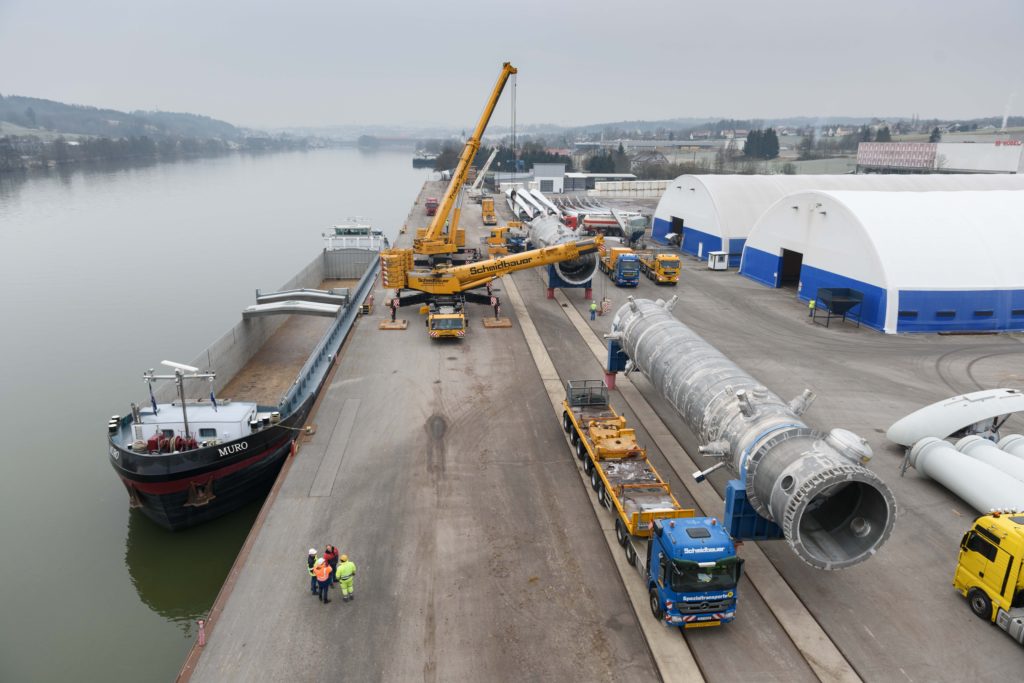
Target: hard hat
point(312, 551)
point(343, 558)
point(319, 561)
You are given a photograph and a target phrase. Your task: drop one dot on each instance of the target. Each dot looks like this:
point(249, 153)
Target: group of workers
point(329, 569)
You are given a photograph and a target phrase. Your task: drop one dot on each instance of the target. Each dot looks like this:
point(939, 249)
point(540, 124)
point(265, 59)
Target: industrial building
point(717, 212)
point(999, 156)
point(922, 261)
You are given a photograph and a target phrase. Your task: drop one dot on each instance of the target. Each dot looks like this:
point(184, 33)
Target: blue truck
point(622, 265)
point(688, 563)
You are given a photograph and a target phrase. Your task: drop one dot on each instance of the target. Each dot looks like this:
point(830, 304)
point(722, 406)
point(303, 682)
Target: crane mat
point(497, 322)
point(397, 325)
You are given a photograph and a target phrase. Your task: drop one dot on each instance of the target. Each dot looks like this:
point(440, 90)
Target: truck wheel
point(630, 555)
point(566, 422)
point(595, 480)
point(581, 450)
point(980, 603)
point(656, 605)
point(620, 532)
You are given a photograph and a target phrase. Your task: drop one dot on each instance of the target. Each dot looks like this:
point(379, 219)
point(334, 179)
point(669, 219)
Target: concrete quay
point(442, 469)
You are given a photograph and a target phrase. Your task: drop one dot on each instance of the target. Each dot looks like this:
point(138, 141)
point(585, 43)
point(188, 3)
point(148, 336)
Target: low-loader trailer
point(688, 563)
point(660, 267)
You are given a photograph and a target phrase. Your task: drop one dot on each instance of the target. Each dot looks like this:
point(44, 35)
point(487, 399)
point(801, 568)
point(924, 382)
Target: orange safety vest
point(323, 572)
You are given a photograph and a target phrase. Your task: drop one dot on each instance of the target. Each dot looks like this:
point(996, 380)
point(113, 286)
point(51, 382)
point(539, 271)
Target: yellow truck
point(660, 267)
point(988, 572)
point(487, 210)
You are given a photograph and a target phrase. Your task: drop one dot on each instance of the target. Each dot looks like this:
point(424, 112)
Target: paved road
point(895, 617)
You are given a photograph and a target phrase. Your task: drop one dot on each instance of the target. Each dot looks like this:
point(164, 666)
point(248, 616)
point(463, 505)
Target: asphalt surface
point(896, 616)
point(442, 470)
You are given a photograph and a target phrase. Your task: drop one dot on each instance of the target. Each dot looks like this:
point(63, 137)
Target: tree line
point(23, 152)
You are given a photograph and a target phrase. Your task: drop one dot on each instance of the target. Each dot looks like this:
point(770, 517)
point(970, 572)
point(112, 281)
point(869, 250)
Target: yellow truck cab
point(446, 319)
point(661, 267)
point(487, 211)
point(988, 572)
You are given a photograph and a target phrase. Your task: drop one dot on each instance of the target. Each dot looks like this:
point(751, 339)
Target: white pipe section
point(1013, 444)
point(988, 453)
point(981, 486)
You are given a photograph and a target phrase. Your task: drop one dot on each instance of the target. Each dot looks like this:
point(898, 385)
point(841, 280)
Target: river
point(104, 272)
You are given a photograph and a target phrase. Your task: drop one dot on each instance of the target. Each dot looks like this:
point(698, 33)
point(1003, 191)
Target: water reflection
point(177, 575)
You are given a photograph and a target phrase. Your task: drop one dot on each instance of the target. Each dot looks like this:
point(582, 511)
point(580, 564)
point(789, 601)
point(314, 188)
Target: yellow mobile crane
point(434, 242)
point(446, 290)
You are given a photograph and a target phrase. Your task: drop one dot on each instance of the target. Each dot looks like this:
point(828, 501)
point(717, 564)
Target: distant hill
point(74, 119)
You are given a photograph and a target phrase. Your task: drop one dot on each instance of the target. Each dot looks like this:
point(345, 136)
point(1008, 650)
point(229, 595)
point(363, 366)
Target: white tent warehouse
point(716, 212)
point(923, 261)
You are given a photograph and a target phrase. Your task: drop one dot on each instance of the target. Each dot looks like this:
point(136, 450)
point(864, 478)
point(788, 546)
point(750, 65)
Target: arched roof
point(942, 241)
point(729, 205)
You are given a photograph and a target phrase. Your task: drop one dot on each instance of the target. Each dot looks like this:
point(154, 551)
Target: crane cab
point(446, 319)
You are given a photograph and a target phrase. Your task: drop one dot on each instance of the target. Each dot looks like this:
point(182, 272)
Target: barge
point(207, 442)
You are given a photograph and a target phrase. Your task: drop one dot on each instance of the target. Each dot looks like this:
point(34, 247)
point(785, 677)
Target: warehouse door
point(547, 185)
point(677, 228)
point(789, 274)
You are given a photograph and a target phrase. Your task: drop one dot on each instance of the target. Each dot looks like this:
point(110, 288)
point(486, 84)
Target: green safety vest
point(593, 307)
point(346, 570)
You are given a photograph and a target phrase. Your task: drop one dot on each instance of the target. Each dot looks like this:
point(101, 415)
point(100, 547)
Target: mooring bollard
point(202, 633)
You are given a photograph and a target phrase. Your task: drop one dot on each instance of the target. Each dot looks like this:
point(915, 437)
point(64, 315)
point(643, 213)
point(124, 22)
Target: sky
point(266, 64)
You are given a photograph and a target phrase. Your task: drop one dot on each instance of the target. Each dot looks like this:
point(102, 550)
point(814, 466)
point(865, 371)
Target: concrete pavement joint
point(675, 663)
point(814, 644)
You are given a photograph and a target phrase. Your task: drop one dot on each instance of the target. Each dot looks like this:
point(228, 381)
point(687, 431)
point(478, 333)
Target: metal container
point(832, 510)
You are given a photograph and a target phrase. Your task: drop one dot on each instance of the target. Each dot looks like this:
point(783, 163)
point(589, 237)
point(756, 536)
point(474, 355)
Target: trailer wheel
point(574, 437)
point(980, 603)
point(595, 480)
point(581, 450)
point(630, 555)
point(656, 605)
point(620, 532)
point(588, 466)
point(566, 422)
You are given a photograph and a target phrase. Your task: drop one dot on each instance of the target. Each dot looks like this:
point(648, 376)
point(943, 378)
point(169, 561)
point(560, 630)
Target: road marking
point(827, 662)
point(673, 658)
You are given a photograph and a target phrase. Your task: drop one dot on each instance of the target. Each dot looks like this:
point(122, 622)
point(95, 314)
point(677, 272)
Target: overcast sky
point(315, 62)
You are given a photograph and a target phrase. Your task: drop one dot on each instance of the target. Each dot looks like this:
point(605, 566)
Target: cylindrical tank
point(833, 511)
point(980, 485)
point(989, 453)
point(547, 231)
point(1013, 444)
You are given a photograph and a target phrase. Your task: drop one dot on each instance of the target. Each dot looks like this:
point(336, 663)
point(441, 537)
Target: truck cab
point(989, 570)
point(622, 265)
point(446, 320)
point(431, 205)
point(487, 211)
point(692, 572)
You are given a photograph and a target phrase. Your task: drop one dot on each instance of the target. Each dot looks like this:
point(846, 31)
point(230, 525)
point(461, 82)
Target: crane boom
point(483, 171)
point(457, 279)
point(433, 241)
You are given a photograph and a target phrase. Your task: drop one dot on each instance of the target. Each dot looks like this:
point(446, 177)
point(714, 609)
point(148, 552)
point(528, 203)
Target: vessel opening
point(579, 270)
point(843, 525)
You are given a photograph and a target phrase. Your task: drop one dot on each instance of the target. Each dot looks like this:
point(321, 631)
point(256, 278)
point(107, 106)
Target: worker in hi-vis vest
point(810, 308)
point(346, 574)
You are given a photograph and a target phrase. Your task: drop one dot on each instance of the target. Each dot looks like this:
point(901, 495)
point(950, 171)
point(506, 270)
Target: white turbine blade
point(179, 366)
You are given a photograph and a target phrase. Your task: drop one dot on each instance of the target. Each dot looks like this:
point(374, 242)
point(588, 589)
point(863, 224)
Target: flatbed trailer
point(659, 266)
point(688, 562)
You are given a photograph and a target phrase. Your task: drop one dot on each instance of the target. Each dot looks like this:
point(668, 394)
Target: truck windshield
point(690, 577)
point(446, 324)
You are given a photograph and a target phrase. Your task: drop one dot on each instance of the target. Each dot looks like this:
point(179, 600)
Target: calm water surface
point(103, 273)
